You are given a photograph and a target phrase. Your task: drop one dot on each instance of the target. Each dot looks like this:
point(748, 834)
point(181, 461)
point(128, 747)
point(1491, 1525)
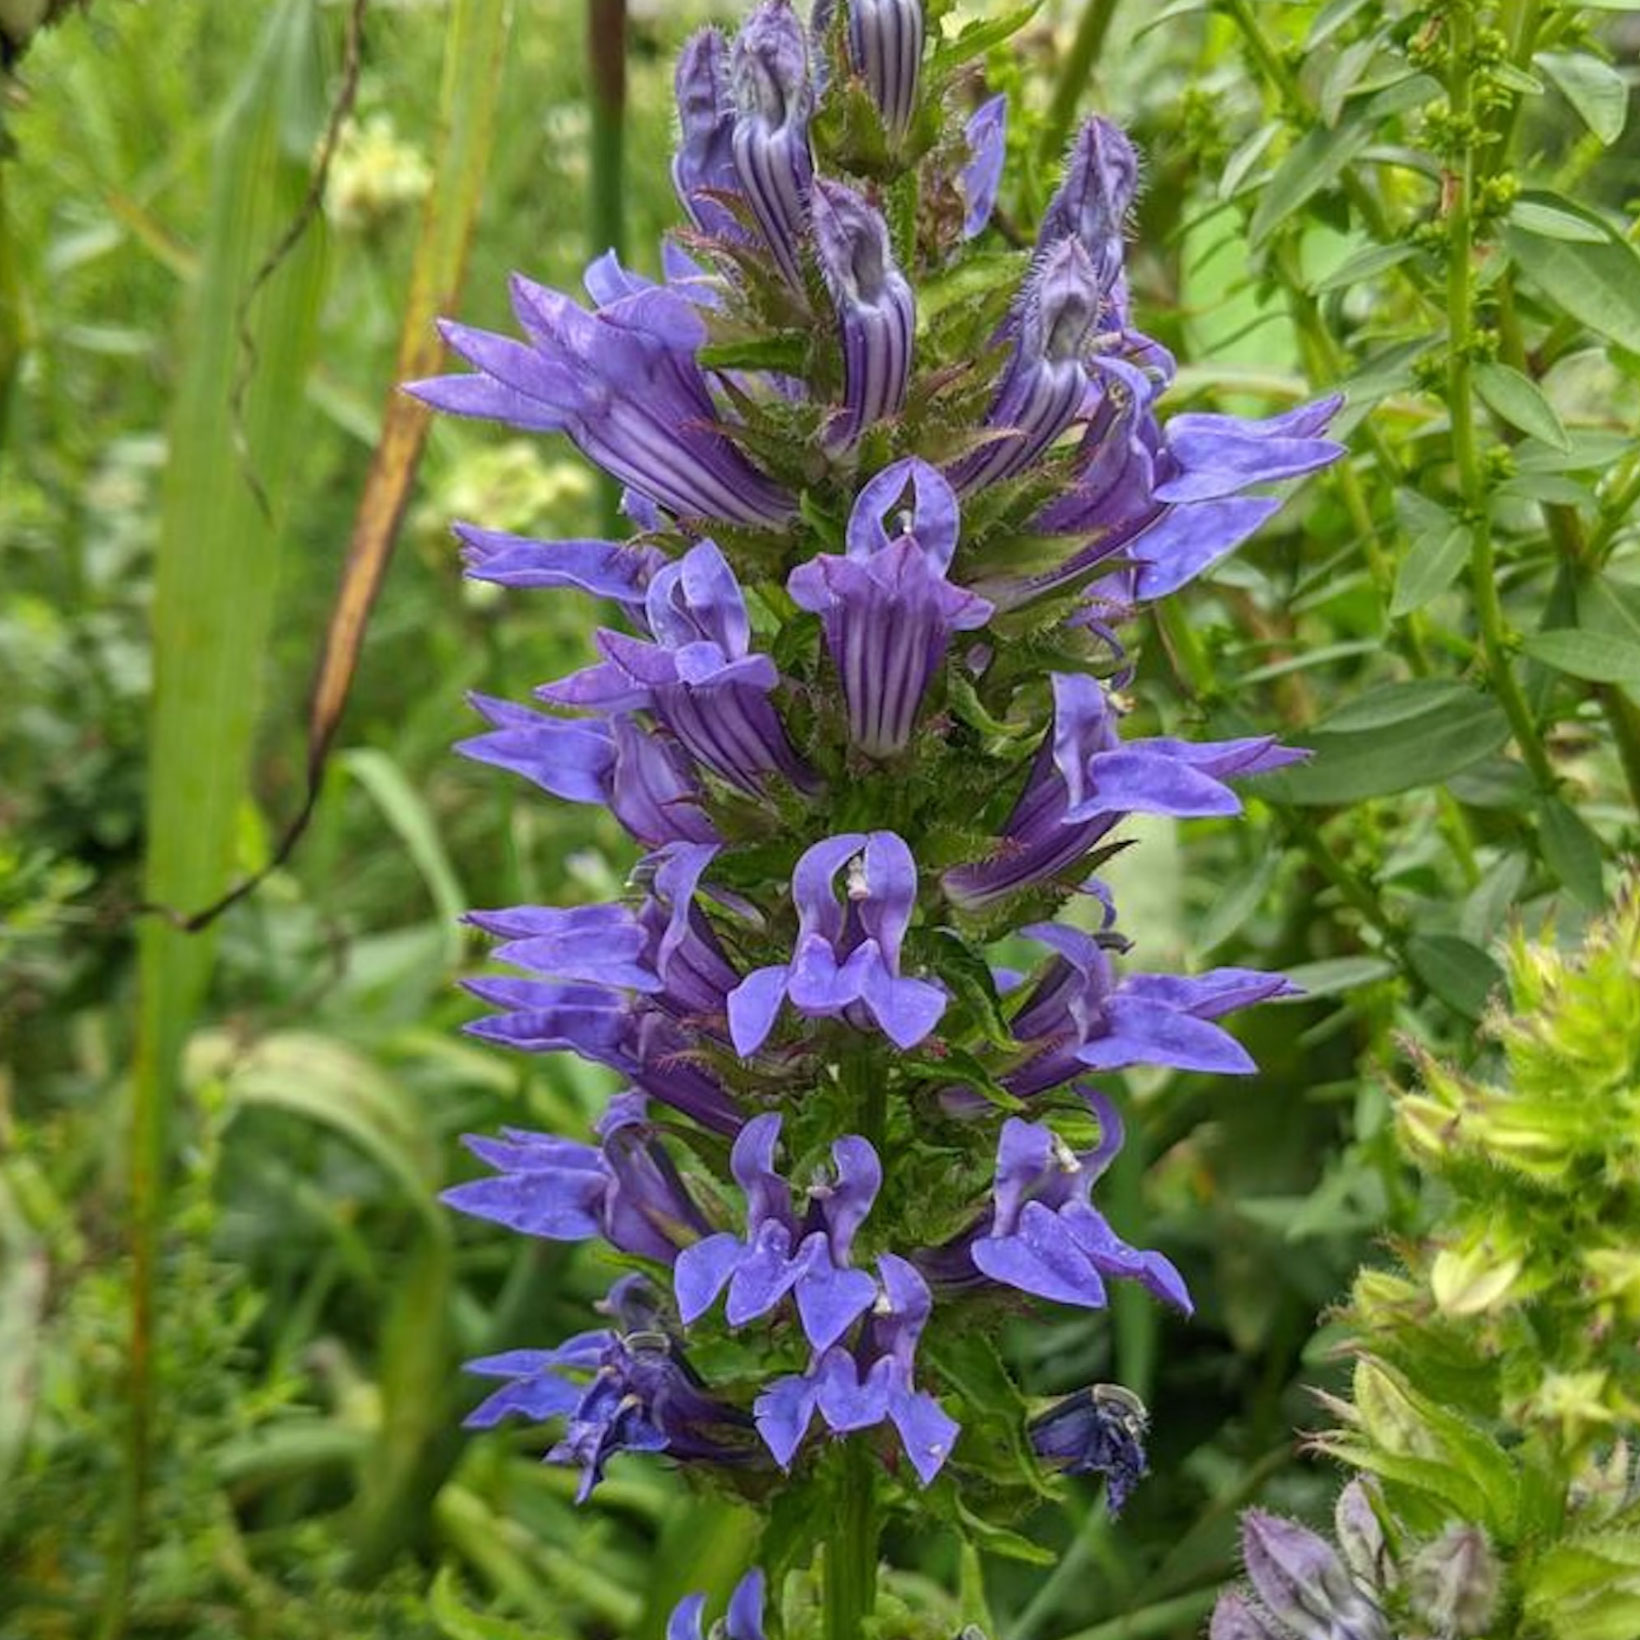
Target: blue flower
point(886, 606)
point(743, 1620)
point(783, 1251)
point(1097, 1431)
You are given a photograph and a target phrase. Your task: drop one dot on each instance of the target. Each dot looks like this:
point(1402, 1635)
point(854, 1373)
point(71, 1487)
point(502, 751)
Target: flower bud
point(1361, 1538)
point(706, 123)
point(875, 307)
point(1235, 1617)
point(770, 80)
point(1453, 1583)
point(1304, 1584)
point(885, 41)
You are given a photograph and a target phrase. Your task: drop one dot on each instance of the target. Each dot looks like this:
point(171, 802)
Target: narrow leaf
point(1597, 283)
point(1599, 657)
point(1430, 566)
point(1595, 89)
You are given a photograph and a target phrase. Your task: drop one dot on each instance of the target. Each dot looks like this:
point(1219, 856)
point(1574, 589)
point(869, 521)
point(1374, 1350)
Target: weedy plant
point(1497, 1386)
point(896, 487)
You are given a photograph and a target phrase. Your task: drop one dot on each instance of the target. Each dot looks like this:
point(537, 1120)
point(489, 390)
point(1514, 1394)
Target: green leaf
point(329, 1083)
point(406, 811)
point(1598, 656)
point(1364, 265)
point(1460, 974)
point(1394, 739)
point(459, 1622)
point(1595, 89)
point(1314, 163)
point(1549, 222)
point(1520, 402)
point(976, 38)
point(1237, 901)
point(1335, 976)
point(1597, 283)
point(1572, 852)
point(23, 1294)
point(1430, 566)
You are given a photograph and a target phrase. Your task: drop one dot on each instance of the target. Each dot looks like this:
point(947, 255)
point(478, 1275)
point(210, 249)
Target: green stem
point(1074, 75)
point(1483, 568)
point(606, 194)
point(851, 1547)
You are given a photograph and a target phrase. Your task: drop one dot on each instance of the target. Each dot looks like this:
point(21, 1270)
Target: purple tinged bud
point(706, 122)
point(1303, 1582)
point(1047, 380)
point(1235, 1617)
point(743, 1620)
point(876, 309)
point(1361, 1538)
point(885, 42)
point(981, 177)
point(1091, 204)
point(1453, 1582)
point(770, 141)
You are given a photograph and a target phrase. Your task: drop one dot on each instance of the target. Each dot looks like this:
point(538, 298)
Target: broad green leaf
point(1459, 973)
point(1600, 657)
point(1610, 606)
point(1492, 898)
point(1394, 739)
point(1597, 283)
point(1572, 852)
point(1520, 402)
point(1429, 567)
point(1595, 89)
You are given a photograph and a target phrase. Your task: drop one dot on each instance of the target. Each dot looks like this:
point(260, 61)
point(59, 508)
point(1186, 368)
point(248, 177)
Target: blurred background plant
point(1425, 205)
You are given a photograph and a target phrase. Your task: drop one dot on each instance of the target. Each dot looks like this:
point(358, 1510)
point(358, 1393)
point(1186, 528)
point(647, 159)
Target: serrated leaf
point(1394, 739)
point(1520, 402)
point(1461, 974)
point(1429, 567)
point(1600, 657)
point(1595, 89)
point(1572, 852)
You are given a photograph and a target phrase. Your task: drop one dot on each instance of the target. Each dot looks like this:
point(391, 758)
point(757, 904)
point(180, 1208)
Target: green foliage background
point(1336, 196)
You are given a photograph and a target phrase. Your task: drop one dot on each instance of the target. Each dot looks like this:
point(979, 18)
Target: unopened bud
point(1304, 1584)
point(1360, 1537)
point(1453, 1583)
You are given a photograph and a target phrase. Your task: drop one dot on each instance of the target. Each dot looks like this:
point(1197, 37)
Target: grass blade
point(213, 608)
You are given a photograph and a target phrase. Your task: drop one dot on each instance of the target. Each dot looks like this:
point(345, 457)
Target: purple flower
point(876, 310)
point(624, 383)
point(885, 44)
point(624, 1189)
point(743, 1620)
point(1302, 1586)
point(783, 1252)
point(846, 962)
point(854, 1390)
point(1077, 1016)
point(617, 570)
point(704, 164)
point(1170, 500)
point(770, 139)
point(981, 177)
point(886, 605)
point(621, 1389)
point(1047, 378)
point(699, 677)
point(1046, 1238)
point(614, 764)
point(1084, 779)
point(1097, 1431)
